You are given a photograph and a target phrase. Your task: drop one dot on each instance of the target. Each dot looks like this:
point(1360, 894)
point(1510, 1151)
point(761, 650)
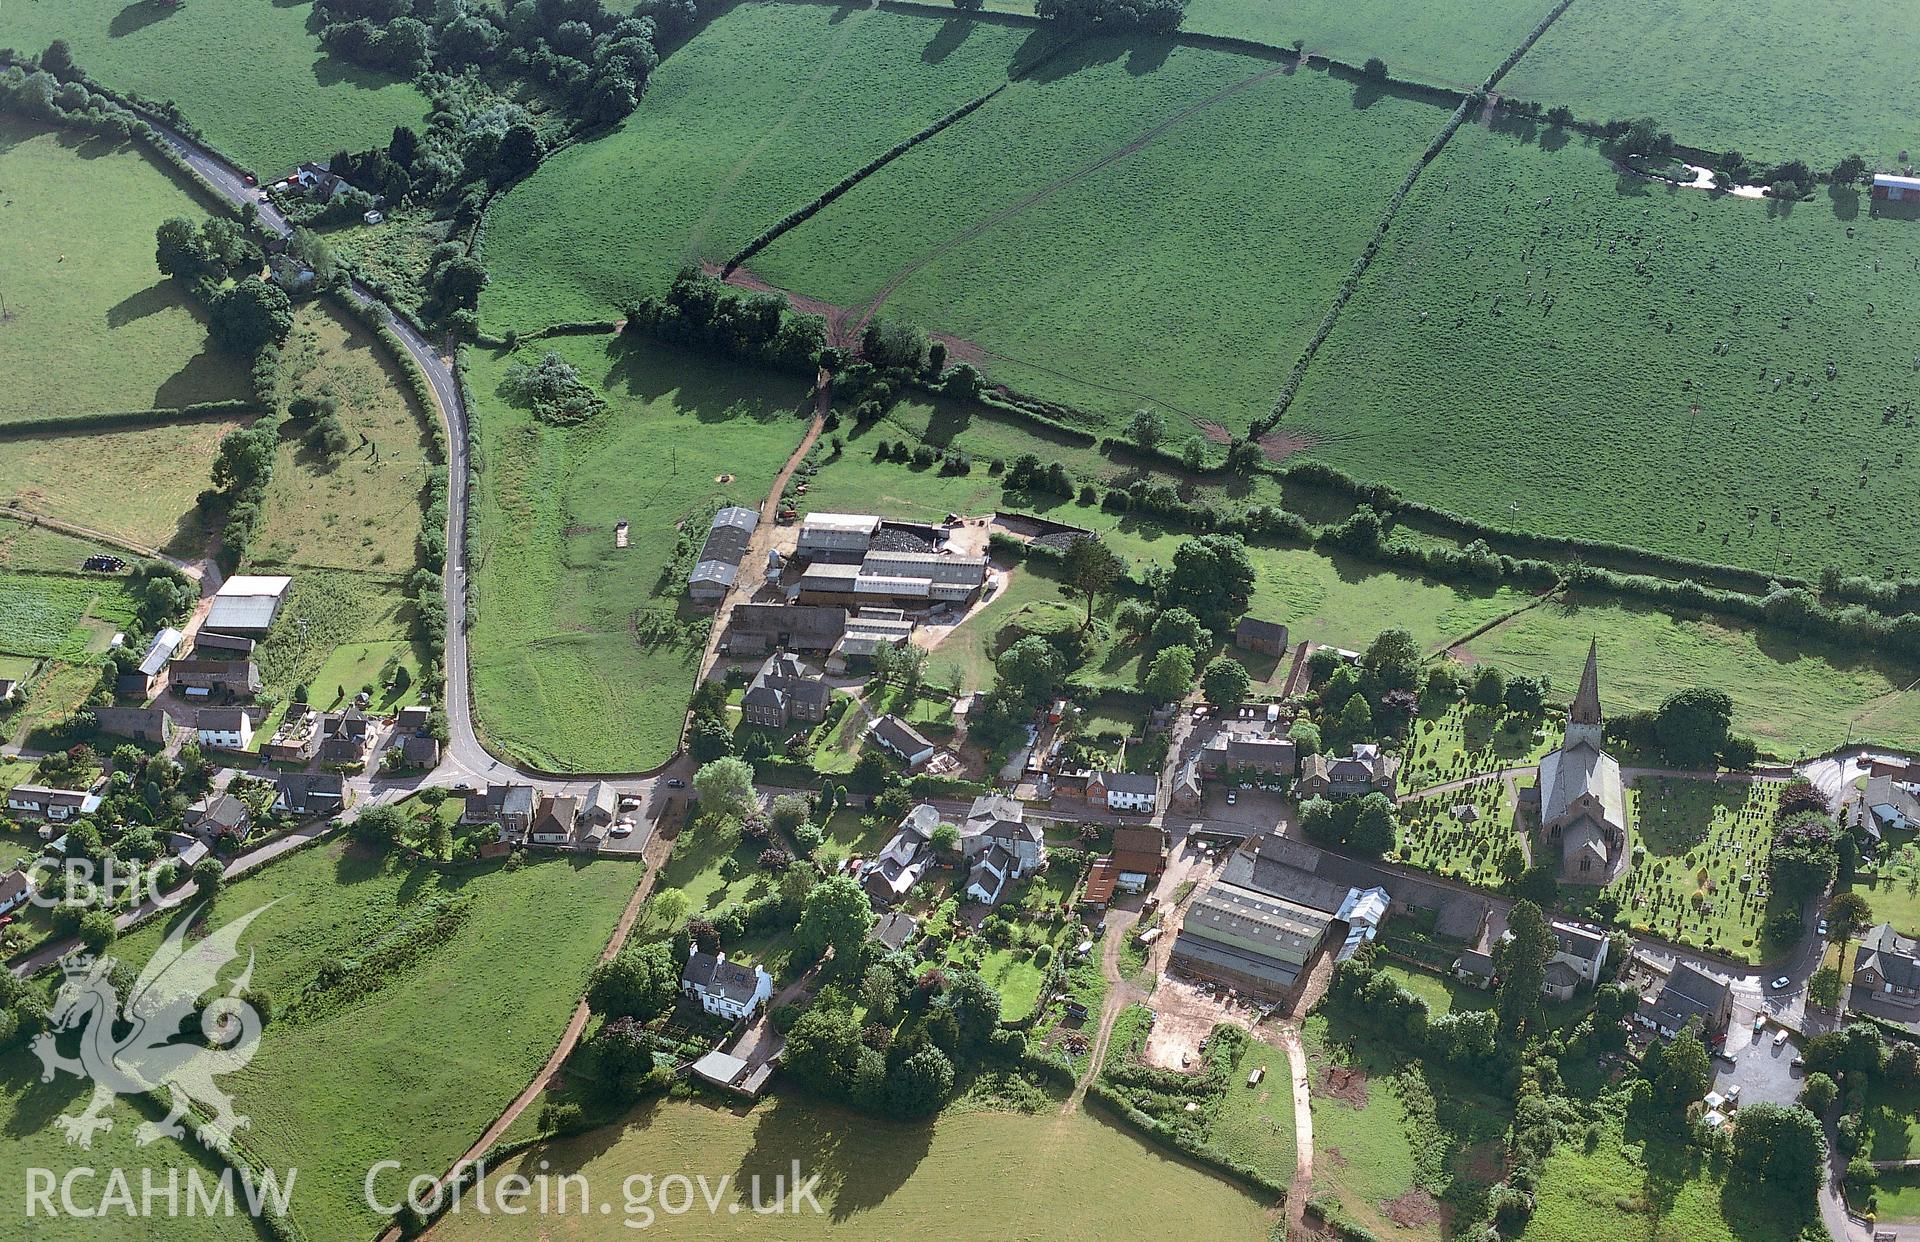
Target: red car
point(248, 178)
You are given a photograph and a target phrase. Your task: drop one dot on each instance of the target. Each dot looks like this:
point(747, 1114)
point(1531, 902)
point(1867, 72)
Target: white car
point(621, 828)
point(1780, 1037)
point(1781, 984)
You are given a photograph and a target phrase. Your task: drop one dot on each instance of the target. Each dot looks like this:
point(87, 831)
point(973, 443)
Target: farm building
point(1103, 878)
point(870, 629)
point(1139, 856)
point(142, 724)
point(211, 646)
point(1895, 188)
point(895, 579)
point(246, 604)
point(1266, 637)
point(836, 536)
point(1253, 941)
point(1582, 803)
point(165, 645)
point(199, 679)
point(719, 563)
point(756, 629)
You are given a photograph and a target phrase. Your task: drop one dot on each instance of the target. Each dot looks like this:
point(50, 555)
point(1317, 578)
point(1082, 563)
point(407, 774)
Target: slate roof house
point(888, 875)
point(783, 691)
point(308, 793)
point(553, 823)
point(999, 847)
point(345, 737)
point(1582, 803)
point(726, 989)
point(15, 888)
point(1689, 993)
point(901, 739)
point(1891, 805)
point(894, 930)
point(509, 807)
point(1231, 752)
point(1125, 791)
point(1363, 770)
point(1888, 965)
point(220, 815)
point(224, 728)
point(1579, 954)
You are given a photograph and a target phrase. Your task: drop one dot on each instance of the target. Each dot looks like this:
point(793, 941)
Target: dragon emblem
point(141, 1048)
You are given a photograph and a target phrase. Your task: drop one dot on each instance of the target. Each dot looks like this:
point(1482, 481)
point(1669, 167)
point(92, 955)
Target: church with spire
point(1582, 804)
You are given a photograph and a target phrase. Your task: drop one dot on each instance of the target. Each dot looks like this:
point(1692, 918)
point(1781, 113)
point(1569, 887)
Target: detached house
point(1363, 770)
point(1125, 791)
point(902, 740)
point(1139, 856)
point(16, 887)
point(224, 728)
point(308, 793)
point(999, 846)
point(1579, 954)
point(1888, 965)
point(906, 857)
point(345, 737)
point(56, 805)
point(726, 989)
point(554, 823)
point(1689, 993)
point(508, 807)
point(784, 691)
point(219, 816)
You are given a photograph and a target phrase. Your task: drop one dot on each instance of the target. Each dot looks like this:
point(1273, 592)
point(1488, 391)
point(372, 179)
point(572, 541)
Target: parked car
point(262, 199)
point(674, 782)
point(1232, 797)
point(1823, 927)
point(1781, 984)
point(247, 178)
point(1780, 1037)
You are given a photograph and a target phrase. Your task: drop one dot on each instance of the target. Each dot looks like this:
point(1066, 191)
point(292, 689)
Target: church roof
point(1586, 704)
point(1577, 771)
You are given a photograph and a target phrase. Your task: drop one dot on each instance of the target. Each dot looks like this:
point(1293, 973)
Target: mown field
point(89, 478)
point(1789, 80)
point(1792, 694)
point(362, 511)
point(1072, 1178)
point(583, 654)
point(765, 109)
point(1088, 235)
point(411, 1069)
point(1548, 344)
point(252, 76)
point(89, 324)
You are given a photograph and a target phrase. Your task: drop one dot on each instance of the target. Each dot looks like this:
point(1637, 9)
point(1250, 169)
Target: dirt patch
point(1334, 1158)
point(576, 530)
point(1482, 1164)
point(1344, 1083)
point(1215, 433)
point(1278, 445)
point(844, 323)
point(1413, 1209)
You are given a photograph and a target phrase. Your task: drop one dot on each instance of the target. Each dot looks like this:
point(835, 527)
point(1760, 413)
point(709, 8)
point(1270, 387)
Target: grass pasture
point(1578, 347)
point(733, 136)
point(883, 1179)
point(252, 76)
point(1088, 238)
point(90, 325)
point(336, 631)
point(1789, 80)
point(363, 511)
point(583, 654)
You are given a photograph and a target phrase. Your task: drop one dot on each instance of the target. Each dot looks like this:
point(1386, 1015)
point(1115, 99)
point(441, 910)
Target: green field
point(1812, 81)
point(413, 1069)
point(1648, 1191)
point(67, 616)
point(90, 325)
point(1684, 332)
point(1792, 694)
point(82, 477)
point(251, 75)
point(1087, 236)
point(965, 1177)
point(1399, 1135)
point(362, 511)
point(764, 110)
point(1255, 1125)
point(335, 632)
point(1442, 993)
point(583, 656)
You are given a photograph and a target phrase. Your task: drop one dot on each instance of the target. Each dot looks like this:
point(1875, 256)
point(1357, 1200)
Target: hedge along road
point(465, 757)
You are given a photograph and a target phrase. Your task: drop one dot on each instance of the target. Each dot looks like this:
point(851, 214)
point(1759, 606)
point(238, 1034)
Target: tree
point(1818, 1093)
point(1356, 718)
point(58, 60)
point(1681, 1076)
point(968, 6)
point(1031, 669)
point(668, 907)
point(1375, 69)
point(1177, 627)
point(1226, 681)
point(1392, 660)
point(1213, 577)
point(1092, 567)
point(823, 1048)
point(1779, 1146)
point(519, 153)
point(1692, 726)
point(789, 811)
point(1823, 988)
point(1848, 913)
point(1147, 428)
point(945, 838)
point(725, 786)
point(379, 826)
point(1169, 676)
point(709, 739)
point(920, 1084)
point(98, 931)
point(974, 1004)
point(1305, 736)
point(250, 315)
point(1849, 170)
point(1489, 686)
point(639, 982)
point(177, 250)
point(834, 916)
point(1372, 832)
point(207, 875)
point(1522, 964)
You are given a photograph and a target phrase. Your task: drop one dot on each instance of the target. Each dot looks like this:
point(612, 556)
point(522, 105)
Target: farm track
point(867, 309)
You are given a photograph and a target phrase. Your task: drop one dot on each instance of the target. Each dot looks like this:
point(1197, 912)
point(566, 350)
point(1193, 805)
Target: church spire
point(1586, 704)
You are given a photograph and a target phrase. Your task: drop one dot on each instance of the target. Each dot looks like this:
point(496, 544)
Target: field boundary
point(128, 420)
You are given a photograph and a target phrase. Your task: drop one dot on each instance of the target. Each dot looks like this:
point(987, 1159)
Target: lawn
point(252, 76)
point(1399, 1136)
point(1891, 886)
point(1434, 837)
point(1789, 80)
point(1570, 348)
point(1893, 1120)
point(884, 1179)
point(1792, 694)
point(584, 654)
point(732, 137)
point(1442, 993)
point(414, 1068)
point(1648, 1191)
point(1087, 236)
point(28, 546)
point(361, 512)
point(90, 325)
point(68, 616)
point(334, 633)
point(1699, 883)
point(1255, 1125)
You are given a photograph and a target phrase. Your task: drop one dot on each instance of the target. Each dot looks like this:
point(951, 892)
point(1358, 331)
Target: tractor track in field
point(846, 328)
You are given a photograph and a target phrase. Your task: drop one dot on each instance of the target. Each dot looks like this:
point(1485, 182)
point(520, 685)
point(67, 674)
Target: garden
point(729, 141)
point(584, 652)
point(340, 633)
point(57, 615)
point(1891, 883)
point(89, 324)
point(1588, 346)
point(252, 76)
point(1001, 232)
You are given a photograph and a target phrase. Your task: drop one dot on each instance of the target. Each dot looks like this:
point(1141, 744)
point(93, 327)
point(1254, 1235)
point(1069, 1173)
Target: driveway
point(1762, 1069)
